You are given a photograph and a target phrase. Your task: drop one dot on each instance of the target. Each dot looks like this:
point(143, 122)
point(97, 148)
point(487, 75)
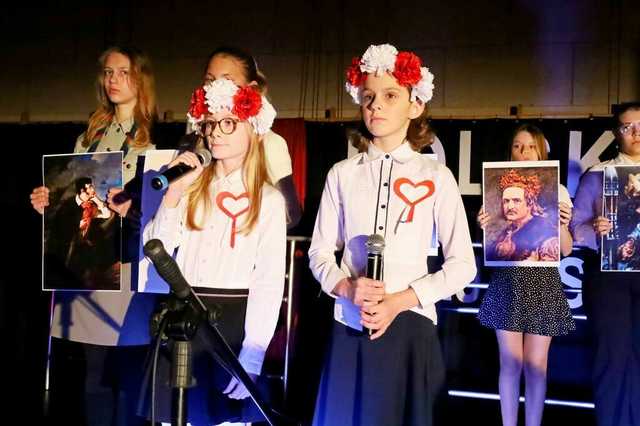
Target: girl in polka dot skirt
point(526, 305)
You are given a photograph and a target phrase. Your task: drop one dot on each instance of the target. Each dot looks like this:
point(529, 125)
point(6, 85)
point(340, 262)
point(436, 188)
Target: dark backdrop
point(469, 349)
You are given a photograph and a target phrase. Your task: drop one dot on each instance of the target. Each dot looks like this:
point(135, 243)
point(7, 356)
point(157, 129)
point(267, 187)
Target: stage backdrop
point(461, 144)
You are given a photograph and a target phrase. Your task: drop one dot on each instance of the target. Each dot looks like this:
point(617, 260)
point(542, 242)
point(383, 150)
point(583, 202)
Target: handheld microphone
point(162, 180)
point(375, 247)
point(375, 260)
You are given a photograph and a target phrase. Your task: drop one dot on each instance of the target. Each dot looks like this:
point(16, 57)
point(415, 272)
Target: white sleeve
point(277, 157)
point(266, 286)
point(459, 267)
point(328, 236)
point(167, 225)
point(563, 196)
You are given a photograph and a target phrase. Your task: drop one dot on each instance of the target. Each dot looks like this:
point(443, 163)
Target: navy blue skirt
point(394, 380)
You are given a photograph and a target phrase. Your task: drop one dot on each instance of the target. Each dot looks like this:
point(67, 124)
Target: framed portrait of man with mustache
point(522, 201)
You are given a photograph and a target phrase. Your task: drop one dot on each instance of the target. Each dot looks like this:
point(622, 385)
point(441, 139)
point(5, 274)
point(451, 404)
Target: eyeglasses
point(227, 126)
point(629, 128)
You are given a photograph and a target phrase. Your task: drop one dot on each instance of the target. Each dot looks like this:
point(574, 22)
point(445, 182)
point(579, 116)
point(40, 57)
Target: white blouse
point(216, 257)
point(401, 196)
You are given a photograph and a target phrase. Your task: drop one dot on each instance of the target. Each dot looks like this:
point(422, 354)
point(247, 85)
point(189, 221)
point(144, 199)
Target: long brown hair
point(254, 176)
point(144, 112)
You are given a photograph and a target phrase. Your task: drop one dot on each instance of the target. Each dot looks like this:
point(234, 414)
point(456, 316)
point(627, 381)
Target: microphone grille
point(375, 244)
point(205, 157)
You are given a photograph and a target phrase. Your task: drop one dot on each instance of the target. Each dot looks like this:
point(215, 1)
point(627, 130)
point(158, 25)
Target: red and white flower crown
point(406, 67)
point(244, 102)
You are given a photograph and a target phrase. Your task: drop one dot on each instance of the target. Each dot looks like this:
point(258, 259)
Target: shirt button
point(382, 206)
point(386, 156)
point(118, 129)
point(109, 149)
point(381, 227)
point(128, 166)
point(385, 184)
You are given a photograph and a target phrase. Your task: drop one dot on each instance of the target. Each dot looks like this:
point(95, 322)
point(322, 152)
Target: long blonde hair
point(144, 112)
point(254, 176)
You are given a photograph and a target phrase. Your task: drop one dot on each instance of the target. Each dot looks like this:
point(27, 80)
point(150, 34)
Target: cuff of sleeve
point(421, 288)
point(251, 359)
point(332, 280)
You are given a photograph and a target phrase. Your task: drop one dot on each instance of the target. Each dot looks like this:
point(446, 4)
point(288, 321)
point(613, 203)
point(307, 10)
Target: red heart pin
point(414, 193)
point(238, 209)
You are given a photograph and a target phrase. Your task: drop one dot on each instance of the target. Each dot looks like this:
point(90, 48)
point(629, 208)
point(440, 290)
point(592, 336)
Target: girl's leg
point(536, 351)
point(510, 346)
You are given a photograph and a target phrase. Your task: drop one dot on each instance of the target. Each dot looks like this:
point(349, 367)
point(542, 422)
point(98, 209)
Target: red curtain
point(294, 132)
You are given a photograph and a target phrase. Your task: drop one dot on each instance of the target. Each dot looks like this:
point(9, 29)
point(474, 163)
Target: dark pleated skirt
point(394, 380)
point(206, 404)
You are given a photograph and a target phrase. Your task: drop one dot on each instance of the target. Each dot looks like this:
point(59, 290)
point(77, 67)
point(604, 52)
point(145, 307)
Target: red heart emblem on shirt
point(413, 193)
point(233, 206)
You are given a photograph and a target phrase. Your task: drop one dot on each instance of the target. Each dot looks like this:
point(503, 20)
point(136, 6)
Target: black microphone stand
point(183, 318)
point(181, 326)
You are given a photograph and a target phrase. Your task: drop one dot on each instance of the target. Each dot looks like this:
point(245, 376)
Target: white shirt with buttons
point(256, 261)
point(398, 195)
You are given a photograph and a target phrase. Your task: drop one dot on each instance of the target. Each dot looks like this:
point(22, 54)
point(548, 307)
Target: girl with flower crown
point(241, 68)
point(228, 226)
point(393, 374)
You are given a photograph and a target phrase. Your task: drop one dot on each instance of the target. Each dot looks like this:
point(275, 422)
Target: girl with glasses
point(228, 227)
point(611, 299)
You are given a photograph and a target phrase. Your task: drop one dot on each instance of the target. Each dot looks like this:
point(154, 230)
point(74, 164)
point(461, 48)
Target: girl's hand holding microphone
point(180, 185)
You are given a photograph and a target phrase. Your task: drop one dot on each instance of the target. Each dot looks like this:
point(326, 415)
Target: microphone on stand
point(162, 180)
point(169, 271)
point(375, 260)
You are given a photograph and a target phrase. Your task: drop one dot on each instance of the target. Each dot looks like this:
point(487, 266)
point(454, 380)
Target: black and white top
point(400, 195)
point(219, 256)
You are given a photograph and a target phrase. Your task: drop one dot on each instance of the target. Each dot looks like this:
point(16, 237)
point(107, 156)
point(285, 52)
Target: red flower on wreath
point(198, 105)
point(246, 103)
point(407, 69)
point(355, 77)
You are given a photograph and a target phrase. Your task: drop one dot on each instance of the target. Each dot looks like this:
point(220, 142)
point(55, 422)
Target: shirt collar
point(401, 154)
point(125, 125)
point(232, 178)
point(623, 158)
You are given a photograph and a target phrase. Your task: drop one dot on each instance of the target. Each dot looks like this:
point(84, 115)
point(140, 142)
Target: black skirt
point(394, 380)
point(206, 404)
point(527, 300)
